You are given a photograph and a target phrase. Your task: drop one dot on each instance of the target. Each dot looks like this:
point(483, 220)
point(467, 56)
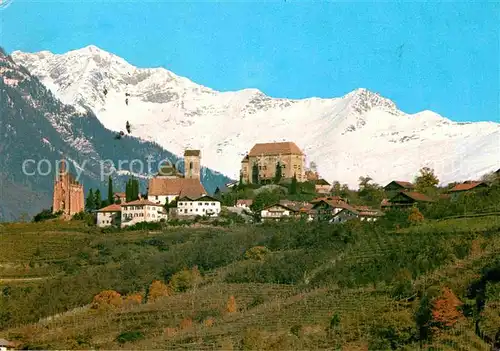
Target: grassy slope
point(348, 276)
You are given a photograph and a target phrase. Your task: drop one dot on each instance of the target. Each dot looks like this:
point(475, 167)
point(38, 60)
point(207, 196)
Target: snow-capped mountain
point(37, 130)
point(361, 133)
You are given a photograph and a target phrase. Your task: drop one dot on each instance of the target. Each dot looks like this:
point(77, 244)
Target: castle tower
point(192, 165)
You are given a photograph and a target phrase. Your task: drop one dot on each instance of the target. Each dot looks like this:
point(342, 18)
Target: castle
point(259, 165)
point(68, 193)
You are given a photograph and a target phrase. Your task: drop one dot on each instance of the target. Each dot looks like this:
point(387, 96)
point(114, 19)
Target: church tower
point(192, 165)
point(68, 193)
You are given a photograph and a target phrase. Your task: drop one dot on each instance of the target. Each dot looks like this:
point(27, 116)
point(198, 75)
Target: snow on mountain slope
point(358, 134)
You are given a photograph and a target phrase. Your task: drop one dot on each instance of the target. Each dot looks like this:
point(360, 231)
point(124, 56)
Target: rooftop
point(176, 186)
point(467, 186)
point(283, 148)
point(111, 208)
point(140, 203)
point(192, 153)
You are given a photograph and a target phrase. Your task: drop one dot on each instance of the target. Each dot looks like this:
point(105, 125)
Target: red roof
point(333, 198)
point(466, 186)
point(244, 202)
point(111, 208)
point(284, 148)
point(417, 196)
point(176, 186)
point(406, 185)
point(140, 203)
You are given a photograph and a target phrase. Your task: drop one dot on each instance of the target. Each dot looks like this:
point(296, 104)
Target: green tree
point(344, 190)
point(132, 190)
point(97, 199)
point(217, 193)
point(90, 201)
point(255, 173)
point(265, 198)
point(135, 189)
point(240, 184)
point(336, 188)
point(426, 182)
point(293, 185)
point(278, 175)
point(110, 190)
point(370, 193)
point(128, 191)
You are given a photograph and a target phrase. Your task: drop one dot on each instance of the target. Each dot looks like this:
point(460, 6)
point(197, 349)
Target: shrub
point(209, 322)
point(169, 332)
point(257, 253)
point(403, 287)
point(231, 305)
point(256, 301)
point(130, 336)
point(158, 289)
point(46, 215)
point(415, 217)
point(186, 323)
point(133, 299)
point(184, 280)
point(106, 299)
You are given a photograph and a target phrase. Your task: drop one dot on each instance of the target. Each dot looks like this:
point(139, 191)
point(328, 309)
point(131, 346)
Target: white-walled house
point(363, 213)
point(277, 212)
point(163, 190)
point(244, 203)
point(6, 345)
point(109, 215)
point(200, 206)
point(142, 211)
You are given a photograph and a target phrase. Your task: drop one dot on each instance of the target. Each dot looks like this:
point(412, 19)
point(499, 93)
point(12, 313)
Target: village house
point(338, 211)
point(244, 203)
point(201, 206)
point(6, 345)
point(466, 187)
point(170, 185)
point(68, 193)
point(260, 165)
point(321, 186)
point(119, 198)
point(142, 211)
point(327, 208)
point(396, 186)
point(287, 210)
point(329, 198)
point(109, 216)
point(406, 199)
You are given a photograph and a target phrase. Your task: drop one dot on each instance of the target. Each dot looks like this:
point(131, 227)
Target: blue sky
point(438, 56)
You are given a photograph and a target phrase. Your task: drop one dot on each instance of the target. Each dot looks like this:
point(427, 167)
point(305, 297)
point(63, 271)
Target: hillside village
point(275, 184)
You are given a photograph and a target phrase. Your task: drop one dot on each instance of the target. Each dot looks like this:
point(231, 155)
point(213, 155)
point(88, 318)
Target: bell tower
point(192, 165)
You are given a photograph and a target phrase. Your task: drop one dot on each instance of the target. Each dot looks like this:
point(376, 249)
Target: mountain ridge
point(35, 125)
point(360, 133)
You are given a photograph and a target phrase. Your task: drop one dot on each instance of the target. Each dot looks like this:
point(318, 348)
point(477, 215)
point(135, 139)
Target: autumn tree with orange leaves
point(415, 216)
point(445, 311)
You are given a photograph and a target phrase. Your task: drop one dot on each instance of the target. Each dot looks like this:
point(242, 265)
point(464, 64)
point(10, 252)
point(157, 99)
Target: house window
point(156, 197)
point(206, 203)
point(213, 203)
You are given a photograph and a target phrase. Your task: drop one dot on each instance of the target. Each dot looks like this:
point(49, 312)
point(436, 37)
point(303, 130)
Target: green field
point(317, 286)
